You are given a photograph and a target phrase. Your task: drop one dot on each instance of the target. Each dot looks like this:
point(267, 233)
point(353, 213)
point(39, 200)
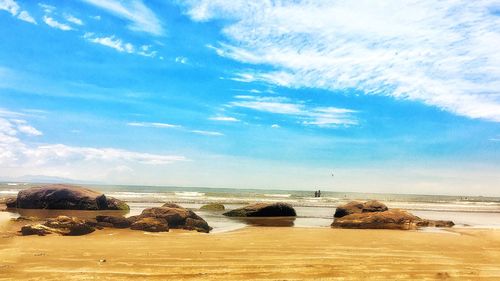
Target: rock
point(117, 222)
point(38, 229)
point(263, 210)
point(63, 225)
point(150, 224)
point(11, 202)
point(435, 223)
point(172, 205)
point(355, 207)
point(65, 197)
point(213, 207)
point(374, 206)
point(70, 226)
point(175, 218)
point(391, 219)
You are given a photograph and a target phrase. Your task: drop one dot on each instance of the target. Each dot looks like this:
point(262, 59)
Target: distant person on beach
point(315, 194)
point(319, 193)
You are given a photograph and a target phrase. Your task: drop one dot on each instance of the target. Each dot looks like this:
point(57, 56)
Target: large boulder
point(391, 219)
point(63, 225)
point(263, 210)
point(213, 207)
point(355, 207)
point(65, 197)
point(180, 218)
point(373, 214)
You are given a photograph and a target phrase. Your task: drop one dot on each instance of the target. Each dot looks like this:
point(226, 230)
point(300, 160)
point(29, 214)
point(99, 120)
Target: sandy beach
point(254, 253)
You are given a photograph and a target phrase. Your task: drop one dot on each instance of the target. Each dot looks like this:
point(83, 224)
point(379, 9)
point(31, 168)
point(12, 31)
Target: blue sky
point(391, 97)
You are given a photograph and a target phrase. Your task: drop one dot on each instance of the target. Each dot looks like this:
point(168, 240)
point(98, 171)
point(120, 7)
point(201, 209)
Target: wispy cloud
point(152, 125)
point(224, 119)
point(14, 9)
point(306, 114)
point(55, 24)
point(171, 126)
point(141, 18)
point(441, 53)
point(181, 60)
point(119, 45)
point(207, 133)
point(15, 152)
point(73, 19)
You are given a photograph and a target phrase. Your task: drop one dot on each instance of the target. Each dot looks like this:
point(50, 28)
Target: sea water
point(465, 211)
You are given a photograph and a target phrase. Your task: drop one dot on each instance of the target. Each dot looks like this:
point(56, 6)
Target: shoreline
point(254, 253)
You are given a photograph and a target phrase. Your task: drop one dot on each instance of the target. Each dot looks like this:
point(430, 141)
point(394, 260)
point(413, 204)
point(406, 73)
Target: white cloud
point(119, 45)
point(275, 126)
point(441, 53)
point(153, 125)
point(73, 19)
point(29, 130)
point(181, 60)
point(10, 6)
point(14, 9)
point(47, 8)
point(96, 17)
point(55, 24)
point(207, 133)
point(25, 16)
point(224, 118)
point(306, 114)
point(15, 152)
point(141, 17)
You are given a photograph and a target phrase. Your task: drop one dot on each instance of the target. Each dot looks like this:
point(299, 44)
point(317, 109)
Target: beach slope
point(254, 253)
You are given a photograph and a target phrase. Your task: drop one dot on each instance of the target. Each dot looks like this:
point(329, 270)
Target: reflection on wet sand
point(269, 221)
point(44, 213)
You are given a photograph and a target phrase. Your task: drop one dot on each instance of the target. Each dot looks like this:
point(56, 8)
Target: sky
point(391, 96)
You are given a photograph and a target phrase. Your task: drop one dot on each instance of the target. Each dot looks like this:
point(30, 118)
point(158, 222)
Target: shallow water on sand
point(483, 212)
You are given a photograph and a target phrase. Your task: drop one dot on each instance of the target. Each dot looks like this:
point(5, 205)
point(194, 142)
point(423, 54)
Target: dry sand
point(254, 253)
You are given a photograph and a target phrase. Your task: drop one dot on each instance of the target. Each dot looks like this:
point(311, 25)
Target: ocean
point(465, 211)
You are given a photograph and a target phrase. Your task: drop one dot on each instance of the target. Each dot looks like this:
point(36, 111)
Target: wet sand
point(254, 253)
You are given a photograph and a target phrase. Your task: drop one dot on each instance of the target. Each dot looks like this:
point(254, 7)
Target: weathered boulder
point(63, 225)
point(213, 207)
point(181, 218)
point(65, 197)
point(391, 219)
point(355, 207)
point(150, 224)
point(113, 221)
point(263, 210)
point(373, 214)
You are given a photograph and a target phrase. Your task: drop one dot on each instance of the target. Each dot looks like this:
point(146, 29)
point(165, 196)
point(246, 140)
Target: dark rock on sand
point(180, 218)
point(435, 223)
point(263, 210)
point(150, 224)
point(63, 225)
point(213, 207)
point(355, 207)
point(65, 197)
point(11, 202)
point(391, 219)
point(112, 221)
point(373, 214)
